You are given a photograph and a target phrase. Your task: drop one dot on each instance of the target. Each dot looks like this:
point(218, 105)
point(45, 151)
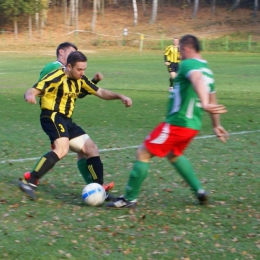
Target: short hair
point(191, 41)
point(75, 57)
point(64, 46)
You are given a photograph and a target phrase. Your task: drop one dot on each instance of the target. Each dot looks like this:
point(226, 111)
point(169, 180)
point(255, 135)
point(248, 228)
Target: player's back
point(184, 107)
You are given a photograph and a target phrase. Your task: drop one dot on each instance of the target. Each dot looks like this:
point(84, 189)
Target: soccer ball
point(93, 194)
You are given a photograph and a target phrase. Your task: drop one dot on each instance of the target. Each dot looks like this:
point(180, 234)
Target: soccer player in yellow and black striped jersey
point(62, 53)
point(172, 58)
point(58, 92)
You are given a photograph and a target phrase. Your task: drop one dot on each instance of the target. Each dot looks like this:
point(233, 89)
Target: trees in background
point(135, 12)
point(255, 8)
point(36, 10)
point(195, 8)
point(154, 11)
point(13, 10)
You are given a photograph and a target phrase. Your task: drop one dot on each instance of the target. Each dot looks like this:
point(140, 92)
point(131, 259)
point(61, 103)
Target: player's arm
point(31, 94)
point(220, 132)
point(166, 53)
point(209, 103)
point(109, 95)
point(198, 83)
point(97, 77)
point(89, 88)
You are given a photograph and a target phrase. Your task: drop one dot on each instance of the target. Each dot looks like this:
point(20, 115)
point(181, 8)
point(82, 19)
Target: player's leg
point(172, 77)
point(184, 167)
point(46, 162)
point(153, 146)
point(181, 137)
point(83, 168)
point(56, 128)
point(172, 71)
point(94, 164)
point(137, 176)
point(91, 167)
point(138, 173)
point(76, 144)
point(93, 161)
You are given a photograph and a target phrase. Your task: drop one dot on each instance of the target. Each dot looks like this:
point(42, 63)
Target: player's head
point(63, 51)
point(76, 64)
point(176, 41)
point(189, 44)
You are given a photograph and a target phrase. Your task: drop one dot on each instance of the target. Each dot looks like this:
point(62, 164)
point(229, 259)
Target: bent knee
point(90, 149)
point(142, 154)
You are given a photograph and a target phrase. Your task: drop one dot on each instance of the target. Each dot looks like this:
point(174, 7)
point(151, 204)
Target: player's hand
point(221, 133)
point(167, 63)
point(98, 76)
point(127, 101)
point(215, 109)
point(30, 99)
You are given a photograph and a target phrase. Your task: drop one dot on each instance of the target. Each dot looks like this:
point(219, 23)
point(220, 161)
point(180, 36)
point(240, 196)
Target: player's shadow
point(65, 194)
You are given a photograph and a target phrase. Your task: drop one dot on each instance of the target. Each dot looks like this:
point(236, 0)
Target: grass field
point(167, 223)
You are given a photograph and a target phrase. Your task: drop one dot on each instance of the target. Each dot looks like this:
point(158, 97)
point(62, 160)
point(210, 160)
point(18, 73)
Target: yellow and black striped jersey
point(60, 92)
point(172, 54)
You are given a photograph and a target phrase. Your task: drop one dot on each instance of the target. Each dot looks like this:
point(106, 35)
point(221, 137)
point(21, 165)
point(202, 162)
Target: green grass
point(167, 223)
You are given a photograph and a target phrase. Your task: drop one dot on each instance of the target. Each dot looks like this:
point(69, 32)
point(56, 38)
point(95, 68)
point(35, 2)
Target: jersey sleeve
point(167, 50)
point(87, 87)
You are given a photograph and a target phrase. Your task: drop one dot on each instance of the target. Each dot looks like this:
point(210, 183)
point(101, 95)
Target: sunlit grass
point(168, 224)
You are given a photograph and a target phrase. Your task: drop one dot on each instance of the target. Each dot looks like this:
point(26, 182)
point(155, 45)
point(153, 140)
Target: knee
point(142, 154)
point(61, 152)
point(90, 149)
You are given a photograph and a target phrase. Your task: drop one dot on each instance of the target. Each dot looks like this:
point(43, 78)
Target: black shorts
point(173, 67)
point(55, 125)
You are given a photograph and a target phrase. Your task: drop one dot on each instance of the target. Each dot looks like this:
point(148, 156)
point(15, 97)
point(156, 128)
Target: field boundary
point(127, 147)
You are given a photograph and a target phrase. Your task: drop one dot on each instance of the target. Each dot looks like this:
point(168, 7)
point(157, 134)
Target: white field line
point(128, 147)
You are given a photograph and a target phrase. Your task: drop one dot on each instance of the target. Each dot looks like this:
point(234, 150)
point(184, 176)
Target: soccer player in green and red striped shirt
point(193, 92)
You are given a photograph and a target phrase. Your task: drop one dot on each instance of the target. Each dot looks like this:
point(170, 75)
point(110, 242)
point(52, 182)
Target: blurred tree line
point(14, 11)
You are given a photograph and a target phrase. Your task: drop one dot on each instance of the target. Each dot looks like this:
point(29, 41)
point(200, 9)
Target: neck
point(194, 55)
point(59, 60)
point(67, 72)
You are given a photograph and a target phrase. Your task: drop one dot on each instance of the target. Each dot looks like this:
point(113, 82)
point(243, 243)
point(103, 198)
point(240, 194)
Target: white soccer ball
point(94, 194)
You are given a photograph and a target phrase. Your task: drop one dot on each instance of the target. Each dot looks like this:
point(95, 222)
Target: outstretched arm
point(109, 95)
point(30, 95)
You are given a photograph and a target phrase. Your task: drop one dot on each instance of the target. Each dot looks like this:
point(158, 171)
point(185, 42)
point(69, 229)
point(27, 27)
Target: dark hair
point(191, 41)
point(64, 46)
point(75, 57)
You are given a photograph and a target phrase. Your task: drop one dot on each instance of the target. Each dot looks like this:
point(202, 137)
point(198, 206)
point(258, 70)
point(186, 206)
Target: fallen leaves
point(4, 201)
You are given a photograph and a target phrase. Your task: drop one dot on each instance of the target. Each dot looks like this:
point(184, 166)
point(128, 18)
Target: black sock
point(43, 166)
point(171, 82)
point(95, 167)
